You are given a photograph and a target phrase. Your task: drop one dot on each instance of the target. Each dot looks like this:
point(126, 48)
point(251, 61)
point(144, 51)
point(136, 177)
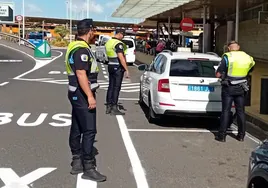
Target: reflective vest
point(239, 64)
point(94, 69)
point(110, 50)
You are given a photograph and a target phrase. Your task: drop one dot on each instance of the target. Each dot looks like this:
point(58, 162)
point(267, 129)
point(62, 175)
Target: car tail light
point(134, 52)
point(163, 85)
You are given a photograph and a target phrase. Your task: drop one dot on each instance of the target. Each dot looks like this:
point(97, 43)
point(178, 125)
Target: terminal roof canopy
point(145, 8)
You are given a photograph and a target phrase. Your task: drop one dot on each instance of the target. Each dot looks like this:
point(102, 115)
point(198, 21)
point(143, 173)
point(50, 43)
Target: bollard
point(264, 96)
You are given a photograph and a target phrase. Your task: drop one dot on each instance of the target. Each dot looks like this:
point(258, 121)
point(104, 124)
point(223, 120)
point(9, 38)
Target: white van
point(131, 51)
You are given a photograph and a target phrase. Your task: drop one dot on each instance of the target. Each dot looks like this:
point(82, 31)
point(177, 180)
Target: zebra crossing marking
point(127, 86)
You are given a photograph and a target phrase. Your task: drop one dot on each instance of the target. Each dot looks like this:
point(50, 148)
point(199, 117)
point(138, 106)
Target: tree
point(61, 31)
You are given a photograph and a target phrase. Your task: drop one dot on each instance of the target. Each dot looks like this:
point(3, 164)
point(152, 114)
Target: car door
point(151, 77)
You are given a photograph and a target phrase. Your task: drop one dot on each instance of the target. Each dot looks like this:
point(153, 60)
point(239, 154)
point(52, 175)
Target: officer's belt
point(113, 63)
point(93, 87)
point(243, 83)
point(236, 82)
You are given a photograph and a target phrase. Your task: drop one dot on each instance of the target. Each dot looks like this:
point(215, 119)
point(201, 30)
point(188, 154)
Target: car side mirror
point(143, 67)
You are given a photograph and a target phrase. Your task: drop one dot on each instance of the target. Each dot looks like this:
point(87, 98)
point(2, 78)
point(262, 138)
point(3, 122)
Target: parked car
point(131, 50)
point(258, 167)
point(181, 84)
point(101, 51)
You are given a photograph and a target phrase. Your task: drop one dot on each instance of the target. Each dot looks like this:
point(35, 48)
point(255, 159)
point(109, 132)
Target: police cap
point(85, 24)
point(122, 31)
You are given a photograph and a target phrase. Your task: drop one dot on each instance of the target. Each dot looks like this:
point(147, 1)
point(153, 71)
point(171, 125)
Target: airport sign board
point(7, 12)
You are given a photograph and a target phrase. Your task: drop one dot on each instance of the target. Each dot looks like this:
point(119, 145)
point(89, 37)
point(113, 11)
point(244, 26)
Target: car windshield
point(193, 68)
point(129, 43)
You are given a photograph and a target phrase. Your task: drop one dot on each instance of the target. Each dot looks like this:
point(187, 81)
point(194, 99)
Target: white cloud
point(113, 4)
point(32, 8)
point(81, 5)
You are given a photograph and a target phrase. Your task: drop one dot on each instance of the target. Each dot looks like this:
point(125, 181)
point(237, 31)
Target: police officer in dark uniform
point(117, 67)
point(233, 70)
point(82, 70)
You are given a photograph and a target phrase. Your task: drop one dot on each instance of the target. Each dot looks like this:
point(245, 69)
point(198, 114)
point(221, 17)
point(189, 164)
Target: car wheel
point(152, 116)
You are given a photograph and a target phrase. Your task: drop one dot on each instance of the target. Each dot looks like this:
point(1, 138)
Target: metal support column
point(204, 22)
point(169, 28)
point(183, 37)
point(237, 21)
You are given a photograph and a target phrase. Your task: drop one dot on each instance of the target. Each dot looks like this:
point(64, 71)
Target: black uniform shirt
point(119, 48)
point(81, 59)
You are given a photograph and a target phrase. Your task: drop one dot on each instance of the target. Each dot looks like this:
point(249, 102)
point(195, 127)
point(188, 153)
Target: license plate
point(201, 88)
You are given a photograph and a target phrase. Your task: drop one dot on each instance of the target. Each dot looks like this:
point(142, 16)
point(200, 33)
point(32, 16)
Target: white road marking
point(38, 63)
point(36, 79)
point(82, 183)
point(137, 168)
point(64, 72)
point(103, 69)
point(254, 139)
point(128, 99)
point(12, 180)
point(10, 61)
point(54, 72)
point(130, 91)
point(4, 83)
point(105, 76)
point(178, 130)
point(104, 72)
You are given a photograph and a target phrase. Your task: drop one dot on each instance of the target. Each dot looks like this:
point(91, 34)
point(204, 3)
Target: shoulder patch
point(120, 46)
point(84, 57)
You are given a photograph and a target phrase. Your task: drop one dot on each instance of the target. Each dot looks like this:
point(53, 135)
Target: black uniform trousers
point(227, 99)
point(83, 125)
point(116, 75)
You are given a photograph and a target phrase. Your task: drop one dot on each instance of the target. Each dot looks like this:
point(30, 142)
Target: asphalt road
point(35, 123)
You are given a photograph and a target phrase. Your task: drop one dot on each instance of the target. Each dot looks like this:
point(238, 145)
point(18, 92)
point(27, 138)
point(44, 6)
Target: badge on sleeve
point(84, 57)
point(120, 46)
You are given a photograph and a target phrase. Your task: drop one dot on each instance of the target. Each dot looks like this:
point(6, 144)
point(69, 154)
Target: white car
point(181, 83)
point(131, 50)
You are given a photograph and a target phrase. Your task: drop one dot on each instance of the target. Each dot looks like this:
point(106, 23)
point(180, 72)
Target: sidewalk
point(253, 111)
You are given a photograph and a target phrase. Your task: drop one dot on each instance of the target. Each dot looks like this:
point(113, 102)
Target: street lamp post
point(23, 19)
point(71, 26)
point(88, 8)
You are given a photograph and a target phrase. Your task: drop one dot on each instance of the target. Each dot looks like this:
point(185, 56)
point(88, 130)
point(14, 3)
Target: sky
point(100, 10)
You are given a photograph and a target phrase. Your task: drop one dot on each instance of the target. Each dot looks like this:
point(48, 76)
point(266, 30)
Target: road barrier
point(16, 39)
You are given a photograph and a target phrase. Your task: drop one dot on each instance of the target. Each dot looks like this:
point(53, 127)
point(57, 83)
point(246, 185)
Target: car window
point(151, 67)
point(129, 43)
point(162, 65)
point(193, 68)
point(157, 64)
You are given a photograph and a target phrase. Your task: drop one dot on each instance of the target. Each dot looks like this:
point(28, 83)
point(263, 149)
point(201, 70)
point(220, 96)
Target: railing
point(16, 39)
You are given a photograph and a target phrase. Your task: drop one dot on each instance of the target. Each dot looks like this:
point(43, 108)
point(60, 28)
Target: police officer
point(82, 70)
point(233, 70)
point(117, 66)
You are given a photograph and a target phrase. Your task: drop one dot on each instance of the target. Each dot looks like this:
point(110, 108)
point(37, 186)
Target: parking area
point(182, 152)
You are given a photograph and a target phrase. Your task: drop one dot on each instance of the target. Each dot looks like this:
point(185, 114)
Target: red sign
point(135, 28)
point(187, 24)
point(19, 18)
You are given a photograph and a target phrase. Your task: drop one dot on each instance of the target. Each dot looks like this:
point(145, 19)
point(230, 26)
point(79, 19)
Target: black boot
point(240, 137)
point(115, 111)
point(108, 109)
point(221, 137)
point(90, 172)
point(77, 166)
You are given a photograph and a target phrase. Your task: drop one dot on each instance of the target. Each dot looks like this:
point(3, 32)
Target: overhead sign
point(7, 12)
point(187, 24)
point(263, 17)
point(19, 18)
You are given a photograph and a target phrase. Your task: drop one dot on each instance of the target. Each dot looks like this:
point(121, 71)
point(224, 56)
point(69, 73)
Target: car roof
point(187, 55)
point(130, 39)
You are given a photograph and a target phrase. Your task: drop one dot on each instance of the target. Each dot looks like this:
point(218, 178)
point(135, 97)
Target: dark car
point(258, 167)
